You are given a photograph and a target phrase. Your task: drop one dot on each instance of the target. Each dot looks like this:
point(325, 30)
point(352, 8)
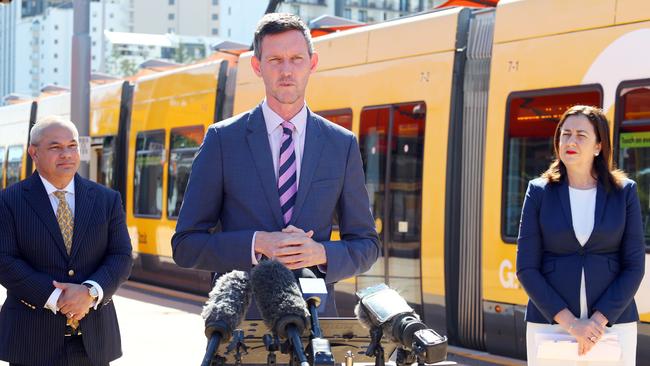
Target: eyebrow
point(62, 143)
point(568, 129)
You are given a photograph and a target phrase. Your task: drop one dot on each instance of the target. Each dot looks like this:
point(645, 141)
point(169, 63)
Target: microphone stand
point(319, 349)
point(238, 345)
point(375, 348)
point(211, 357)
point(297, 354)
point(271, 345)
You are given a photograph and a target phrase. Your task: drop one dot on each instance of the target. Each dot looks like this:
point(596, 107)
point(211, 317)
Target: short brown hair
point(604, 169)
point(276, 23)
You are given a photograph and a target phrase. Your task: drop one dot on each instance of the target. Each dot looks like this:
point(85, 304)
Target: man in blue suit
point(275, 177)
point(64, 251)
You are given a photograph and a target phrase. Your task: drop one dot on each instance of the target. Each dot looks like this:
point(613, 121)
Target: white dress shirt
point(583, 208)
point(274, 130)
point(69, 197)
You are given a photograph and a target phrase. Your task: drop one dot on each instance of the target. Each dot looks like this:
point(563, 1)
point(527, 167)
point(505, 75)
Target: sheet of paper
point(553, 346)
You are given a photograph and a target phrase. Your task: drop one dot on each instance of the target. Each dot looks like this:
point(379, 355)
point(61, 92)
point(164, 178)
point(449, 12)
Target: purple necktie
point(287, 184)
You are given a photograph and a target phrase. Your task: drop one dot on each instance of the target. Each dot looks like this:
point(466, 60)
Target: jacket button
point(581, 251)
point(71, 273)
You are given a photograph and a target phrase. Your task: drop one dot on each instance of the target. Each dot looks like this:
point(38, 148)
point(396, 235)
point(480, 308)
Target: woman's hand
point(587, 332)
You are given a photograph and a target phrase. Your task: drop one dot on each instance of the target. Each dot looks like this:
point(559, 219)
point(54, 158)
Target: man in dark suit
point(276, 176)
point(64, 251)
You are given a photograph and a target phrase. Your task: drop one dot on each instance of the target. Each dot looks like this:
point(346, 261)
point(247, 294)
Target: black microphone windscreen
point(304, 273)
point(362, 316)
point(227, 304)
point(278, 297)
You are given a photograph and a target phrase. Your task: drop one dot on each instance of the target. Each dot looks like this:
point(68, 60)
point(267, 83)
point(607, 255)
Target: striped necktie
point(287, 177)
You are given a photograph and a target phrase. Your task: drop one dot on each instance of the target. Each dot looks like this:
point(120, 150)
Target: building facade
point(128, 50)
point(8, 15)
point(191, 18)
point(44, 40)
point(239, 18)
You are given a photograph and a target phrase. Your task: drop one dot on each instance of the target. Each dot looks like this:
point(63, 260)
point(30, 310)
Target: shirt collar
point(50, 188)
point(273, 120)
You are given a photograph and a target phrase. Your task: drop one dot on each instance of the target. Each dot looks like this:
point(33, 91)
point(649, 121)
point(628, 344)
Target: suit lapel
point(84, 199)
point(37, 198)
point(258, 142)
point(310, 157)
point(601, 199)
point(565, 202)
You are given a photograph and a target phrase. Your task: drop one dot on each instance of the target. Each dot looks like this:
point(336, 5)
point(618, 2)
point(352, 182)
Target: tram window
point(2, 166)
point(14, 164)
point(106, 161)
point(184, 144)
point(147, 185)
point(531, 122)
point(634, 144)
point(341, 117)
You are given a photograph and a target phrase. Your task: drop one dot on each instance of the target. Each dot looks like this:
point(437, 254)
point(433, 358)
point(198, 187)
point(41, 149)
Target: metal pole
point(80, 73)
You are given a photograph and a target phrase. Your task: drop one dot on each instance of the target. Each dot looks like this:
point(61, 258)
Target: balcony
point(307, 2)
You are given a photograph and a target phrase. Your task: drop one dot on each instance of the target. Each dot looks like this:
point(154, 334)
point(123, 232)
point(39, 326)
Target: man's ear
point(31, 150)
point(314, 61)
point(256, 65)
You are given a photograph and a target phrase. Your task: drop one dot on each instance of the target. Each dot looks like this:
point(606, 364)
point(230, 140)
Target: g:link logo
point(507, 275)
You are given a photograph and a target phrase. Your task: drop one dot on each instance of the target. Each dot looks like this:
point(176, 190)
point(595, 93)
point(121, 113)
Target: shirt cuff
point(255, 258)
point(52, 300)
point(100, 292)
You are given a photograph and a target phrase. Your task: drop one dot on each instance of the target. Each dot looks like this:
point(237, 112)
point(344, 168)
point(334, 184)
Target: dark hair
point(276, 23)
point(603, 170)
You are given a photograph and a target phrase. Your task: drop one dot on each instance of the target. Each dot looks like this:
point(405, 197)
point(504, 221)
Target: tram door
point(102, 155)
point(391, 140)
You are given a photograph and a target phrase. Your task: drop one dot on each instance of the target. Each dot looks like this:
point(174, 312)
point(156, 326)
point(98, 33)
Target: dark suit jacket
point(32, 254)
point(233, 182)
point(550, 259)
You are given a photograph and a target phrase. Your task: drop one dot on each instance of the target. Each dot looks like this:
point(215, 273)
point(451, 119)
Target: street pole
point(80, 74)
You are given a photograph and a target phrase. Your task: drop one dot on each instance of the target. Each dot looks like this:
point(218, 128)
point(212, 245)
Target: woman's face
point(578, 143)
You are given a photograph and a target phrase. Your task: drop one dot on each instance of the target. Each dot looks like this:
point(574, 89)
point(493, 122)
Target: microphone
point(314, 292)
point(281, 304)
point(382, 307)
point(224, 310)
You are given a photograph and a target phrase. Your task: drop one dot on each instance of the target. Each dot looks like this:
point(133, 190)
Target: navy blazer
point(233, 182)
point(550, 259)
point(32, 255)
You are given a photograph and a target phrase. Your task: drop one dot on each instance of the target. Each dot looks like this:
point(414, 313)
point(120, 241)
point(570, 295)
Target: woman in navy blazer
point(581, 249)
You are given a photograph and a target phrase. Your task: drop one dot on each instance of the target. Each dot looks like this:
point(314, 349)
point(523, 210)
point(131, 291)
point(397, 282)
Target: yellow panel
point(632, 11)
point(435, 32)
point(176, 98)
point(342, 49)
point(518, 19)
point(423, 78)
point(586, 57)
point(105, 109)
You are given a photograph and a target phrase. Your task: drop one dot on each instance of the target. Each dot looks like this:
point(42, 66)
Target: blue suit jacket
point(550, 258)
point(32, 255)
point(233, 182)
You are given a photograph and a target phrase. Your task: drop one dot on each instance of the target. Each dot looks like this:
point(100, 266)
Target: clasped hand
point(587, 332)
point(75, 301)
point(292, 247)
